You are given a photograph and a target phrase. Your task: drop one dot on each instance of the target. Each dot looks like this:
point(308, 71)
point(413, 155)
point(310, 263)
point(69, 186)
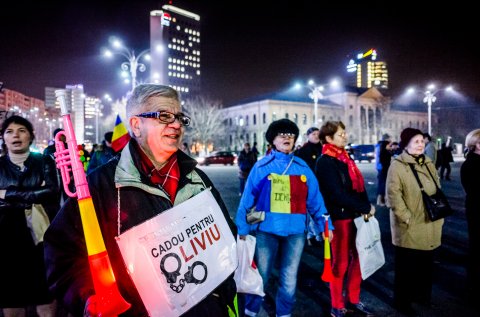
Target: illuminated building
point(175, 49)
point(365, 71)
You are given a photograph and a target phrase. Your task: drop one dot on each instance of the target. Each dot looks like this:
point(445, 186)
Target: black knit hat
point(108, 136)
point(281, 126)
point(312, 129)
point(407, 134)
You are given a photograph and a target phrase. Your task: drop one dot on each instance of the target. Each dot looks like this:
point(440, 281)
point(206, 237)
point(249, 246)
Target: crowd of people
point(299, 189)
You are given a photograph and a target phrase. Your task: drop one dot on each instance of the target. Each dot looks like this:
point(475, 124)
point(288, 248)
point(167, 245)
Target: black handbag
point(436, 205)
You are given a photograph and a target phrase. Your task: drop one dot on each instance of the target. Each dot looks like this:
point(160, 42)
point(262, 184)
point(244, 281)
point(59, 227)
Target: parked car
point(363, 152)
point(219, 157)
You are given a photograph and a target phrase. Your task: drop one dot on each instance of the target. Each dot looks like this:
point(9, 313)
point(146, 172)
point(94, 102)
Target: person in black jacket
point(312, 149)
point(343, 188)
point(445, 159)
point(246, 159)
point(383, 156)
point(150, 177)
point(470, 175)
point(103, 153)
point(310, 152)
point(26, 178)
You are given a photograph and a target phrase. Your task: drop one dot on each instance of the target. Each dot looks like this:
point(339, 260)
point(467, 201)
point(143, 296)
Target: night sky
point(248, 48)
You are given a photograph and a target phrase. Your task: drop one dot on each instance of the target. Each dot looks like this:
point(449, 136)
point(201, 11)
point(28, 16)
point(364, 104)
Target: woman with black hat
point(283, 186)
point(414, 236)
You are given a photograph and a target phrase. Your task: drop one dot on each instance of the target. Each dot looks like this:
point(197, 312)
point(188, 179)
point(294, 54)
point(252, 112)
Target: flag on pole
point(120, 136)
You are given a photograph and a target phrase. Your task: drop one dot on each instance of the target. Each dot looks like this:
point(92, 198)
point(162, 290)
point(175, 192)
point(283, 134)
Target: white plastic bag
point(247, 277)
point(37, 221)
point(369, 246)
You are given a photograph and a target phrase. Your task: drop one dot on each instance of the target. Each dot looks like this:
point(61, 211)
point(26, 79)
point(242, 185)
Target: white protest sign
point(178, 257)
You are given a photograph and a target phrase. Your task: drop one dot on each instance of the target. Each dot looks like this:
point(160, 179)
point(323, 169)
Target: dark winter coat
point(100, 157)
point(337, 190)
point(140, 200)
point(310, 152)
point(22, 273)
point(470, 176)
point(246, 160)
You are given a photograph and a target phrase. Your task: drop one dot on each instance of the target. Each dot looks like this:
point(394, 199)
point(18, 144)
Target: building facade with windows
point(15, 103)
point(367, 114)
point(175, 49)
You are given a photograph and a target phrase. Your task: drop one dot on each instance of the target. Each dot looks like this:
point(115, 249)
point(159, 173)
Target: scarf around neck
point(353, 171)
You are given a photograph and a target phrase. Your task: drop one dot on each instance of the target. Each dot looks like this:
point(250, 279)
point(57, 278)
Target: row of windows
point(183, 76)
point(178, 48)
point(244, 138)
point(182, 69)
point(190, 31)
point(241, 121)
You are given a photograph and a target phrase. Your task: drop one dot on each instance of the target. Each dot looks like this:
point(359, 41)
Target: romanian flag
point(120, 136)
point(286, 194)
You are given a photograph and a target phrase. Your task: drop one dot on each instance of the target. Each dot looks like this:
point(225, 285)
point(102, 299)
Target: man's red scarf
point(353, 171)
point(167, 177)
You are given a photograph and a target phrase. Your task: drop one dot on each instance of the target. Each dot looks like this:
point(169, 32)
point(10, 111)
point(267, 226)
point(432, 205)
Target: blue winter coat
point(258, 193)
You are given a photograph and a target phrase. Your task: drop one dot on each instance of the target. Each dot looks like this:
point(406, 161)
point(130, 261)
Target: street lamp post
point(316, 93)
point(429, 98)
point(133, 63)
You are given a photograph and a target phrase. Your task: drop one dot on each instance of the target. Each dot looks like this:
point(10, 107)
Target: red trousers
point(345, 264)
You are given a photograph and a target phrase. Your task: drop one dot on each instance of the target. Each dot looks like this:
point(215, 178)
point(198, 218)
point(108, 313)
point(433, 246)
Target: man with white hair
point(150, 177)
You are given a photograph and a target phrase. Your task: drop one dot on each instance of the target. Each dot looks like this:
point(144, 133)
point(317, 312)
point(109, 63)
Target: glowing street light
point(316, 93)
point(429, 99)
point(133, 63)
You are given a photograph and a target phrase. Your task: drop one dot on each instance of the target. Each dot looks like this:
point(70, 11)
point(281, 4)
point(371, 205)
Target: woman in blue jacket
point(283, 186)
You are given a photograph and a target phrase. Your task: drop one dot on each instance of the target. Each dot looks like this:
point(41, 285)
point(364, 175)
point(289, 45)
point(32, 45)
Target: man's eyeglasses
point(286, 135)
point(167, 117)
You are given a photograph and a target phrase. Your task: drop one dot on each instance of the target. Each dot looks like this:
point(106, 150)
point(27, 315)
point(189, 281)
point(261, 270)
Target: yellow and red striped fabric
point(120, 136)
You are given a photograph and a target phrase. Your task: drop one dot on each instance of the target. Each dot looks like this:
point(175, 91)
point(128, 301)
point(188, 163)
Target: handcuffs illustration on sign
point(171, 276)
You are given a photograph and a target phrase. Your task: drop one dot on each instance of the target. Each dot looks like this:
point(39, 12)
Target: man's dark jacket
point(310, 152)
point(65, 251)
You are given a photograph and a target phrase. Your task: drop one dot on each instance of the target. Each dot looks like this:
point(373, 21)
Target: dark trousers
point(445, 167)
point(382, 181)
point(413, 276)
point(473, 265)
point(242, 184)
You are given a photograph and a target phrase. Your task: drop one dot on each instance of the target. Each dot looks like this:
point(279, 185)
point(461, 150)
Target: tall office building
point(365, 71)
point(76, 104)
point(175, 49)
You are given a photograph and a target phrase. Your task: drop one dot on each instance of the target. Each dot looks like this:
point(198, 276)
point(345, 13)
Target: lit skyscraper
point(175, 49)
point(76, 103)
point(365, 71)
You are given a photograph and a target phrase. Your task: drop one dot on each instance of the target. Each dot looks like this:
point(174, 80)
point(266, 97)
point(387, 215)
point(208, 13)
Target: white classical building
point(366, 113)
